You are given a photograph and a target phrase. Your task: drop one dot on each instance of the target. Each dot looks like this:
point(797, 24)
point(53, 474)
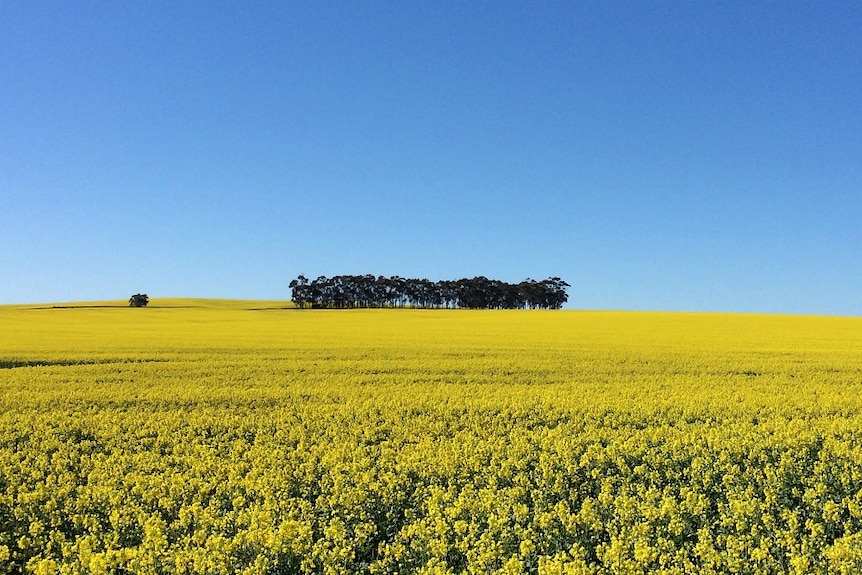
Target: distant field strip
point(242, 437)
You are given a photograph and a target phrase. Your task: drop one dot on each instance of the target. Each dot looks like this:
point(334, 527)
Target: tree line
point(363, 291)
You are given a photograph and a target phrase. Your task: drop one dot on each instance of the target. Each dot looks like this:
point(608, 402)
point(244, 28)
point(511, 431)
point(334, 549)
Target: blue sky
point(659, 155)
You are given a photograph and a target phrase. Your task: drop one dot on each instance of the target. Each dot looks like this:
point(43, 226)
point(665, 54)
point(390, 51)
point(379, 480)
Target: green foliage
point(139, 300)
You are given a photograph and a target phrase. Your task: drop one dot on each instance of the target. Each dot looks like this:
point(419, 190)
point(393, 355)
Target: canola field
point(206, 437)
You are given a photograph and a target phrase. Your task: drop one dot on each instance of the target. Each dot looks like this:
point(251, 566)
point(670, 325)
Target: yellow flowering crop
point(247, 437)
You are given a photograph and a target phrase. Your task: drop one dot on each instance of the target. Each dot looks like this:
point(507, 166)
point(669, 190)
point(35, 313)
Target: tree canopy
point(352, 291)
point(139, 300)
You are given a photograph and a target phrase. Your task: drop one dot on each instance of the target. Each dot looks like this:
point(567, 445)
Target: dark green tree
point(350, 291)
point(139, 300)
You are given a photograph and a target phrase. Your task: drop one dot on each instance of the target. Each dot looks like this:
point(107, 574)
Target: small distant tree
point(139, 300)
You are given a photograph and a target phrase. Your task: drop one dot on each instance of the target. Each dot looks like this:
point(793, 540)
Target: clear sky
point(667, 155)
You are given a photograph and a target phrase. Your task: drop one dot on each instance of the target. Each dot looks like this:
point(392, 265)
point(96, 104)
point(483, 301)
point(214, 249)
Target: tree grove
point(352, 291)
